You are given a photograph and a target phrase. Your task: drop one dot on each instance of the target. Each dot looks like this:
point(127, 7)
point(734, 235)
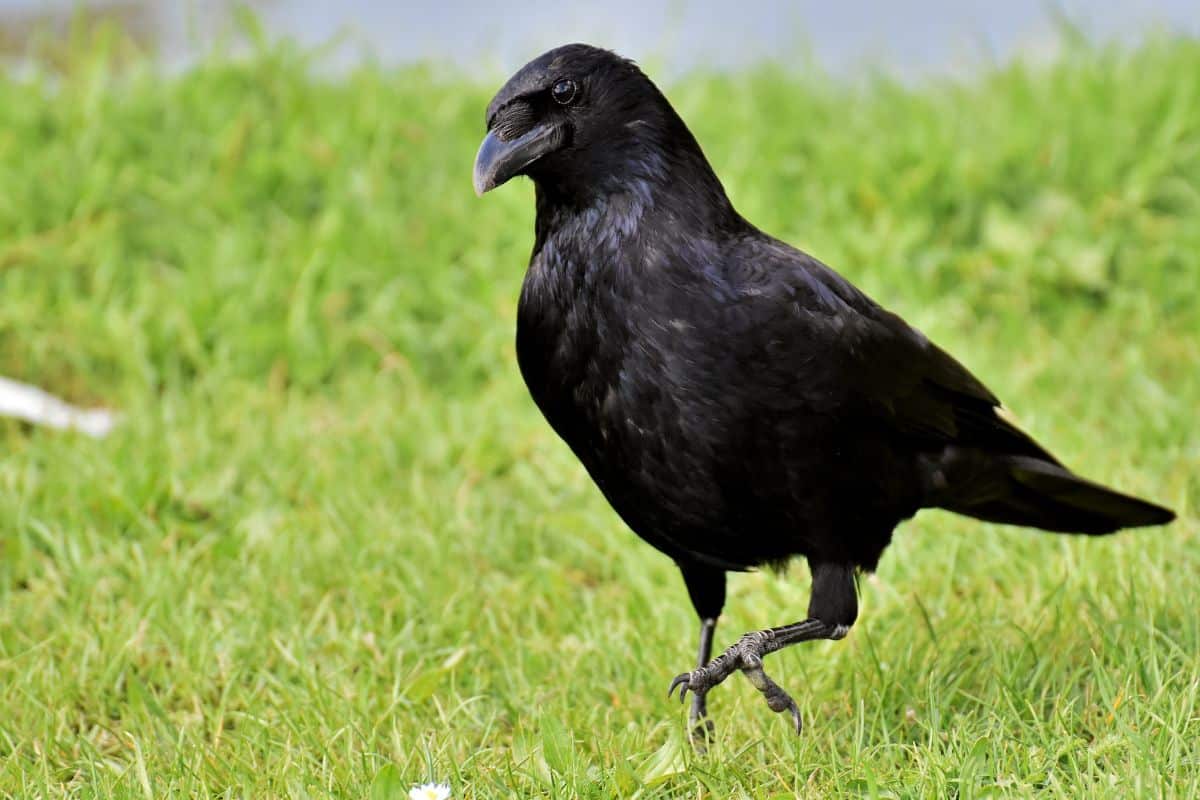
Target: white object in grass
point(430, 791)
point(39, 407)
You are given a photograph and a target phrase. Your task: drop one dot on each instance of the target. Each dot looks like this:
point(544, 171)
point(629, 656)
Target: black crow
point(738, 402)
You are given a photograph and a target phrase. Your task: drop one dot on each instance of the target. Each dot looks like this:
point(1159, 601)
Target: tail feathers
point(1020, 490)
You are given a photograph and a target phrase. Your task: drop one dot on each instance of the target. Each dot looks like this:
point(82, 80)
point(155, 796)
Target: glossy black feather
point(737, 401)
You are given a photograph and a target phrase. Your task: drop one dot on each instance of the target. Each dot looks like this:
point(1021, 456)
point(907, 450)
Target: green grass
point(333, 550)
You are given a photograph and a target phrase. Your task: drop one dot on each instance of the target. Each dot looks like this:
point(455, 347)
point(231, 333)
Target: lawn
point(333, 550)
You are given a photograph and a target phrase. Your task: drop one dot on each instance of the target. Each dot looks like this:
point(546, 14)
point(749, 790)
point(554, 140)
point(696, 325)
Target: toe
point(779, 701)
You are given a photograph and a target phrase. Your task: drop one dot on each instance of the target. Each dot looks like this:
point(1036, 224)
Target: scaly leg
point(701, 725)
point(706, 588)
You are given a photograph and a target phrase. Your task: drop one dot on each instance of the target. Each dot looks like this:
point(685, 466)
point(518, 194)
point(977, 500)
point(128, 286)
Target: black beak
point(499, 160)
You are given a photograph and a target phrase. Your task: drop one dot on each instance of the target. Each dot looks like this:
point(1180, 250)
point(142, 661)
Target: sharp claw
point(683, 678)
point(796, 719)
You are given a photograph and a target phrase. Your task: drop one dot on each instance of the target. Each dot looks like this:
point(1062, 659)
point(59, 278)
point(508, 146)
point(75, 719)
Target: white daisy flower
point(430, 791)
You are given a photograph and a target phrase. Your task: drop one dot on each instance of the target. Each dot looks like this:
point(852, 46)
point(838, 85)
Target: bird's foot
point(702, 727)
point(746, 655)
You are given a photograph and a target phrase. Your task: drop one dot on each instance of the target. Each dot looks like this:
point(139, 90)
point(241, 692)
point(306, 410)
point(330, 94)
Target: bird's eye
point(564, 91)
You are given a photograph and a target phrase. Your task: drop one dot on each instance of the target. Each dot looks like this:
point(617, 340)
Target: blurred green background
point(333, 550)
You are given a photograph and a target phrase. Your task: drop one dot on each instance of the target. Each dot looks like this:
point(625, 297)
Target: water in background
point(908, 38)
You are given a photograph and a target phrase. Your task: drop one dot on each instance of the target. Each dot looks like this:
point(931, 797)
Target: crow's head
point(580, 120)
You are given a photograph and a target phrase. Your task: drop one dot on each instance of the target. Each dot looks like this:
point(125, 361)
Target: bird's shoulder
point(820, 328)
point(802, 306)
